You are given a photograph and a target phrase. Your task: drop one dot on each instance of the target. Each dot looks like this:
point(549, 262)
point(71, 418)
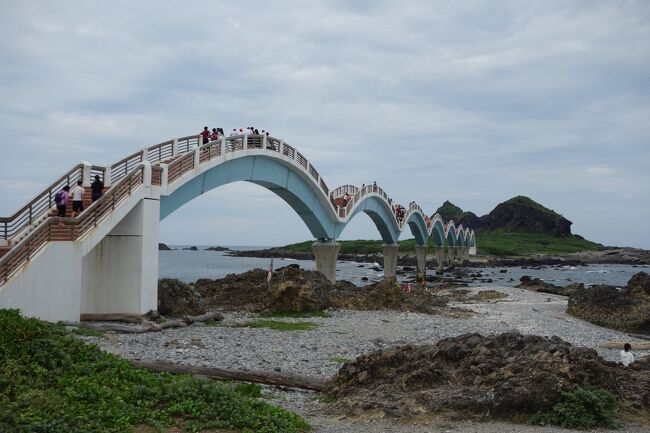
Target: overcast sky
point(473, 102)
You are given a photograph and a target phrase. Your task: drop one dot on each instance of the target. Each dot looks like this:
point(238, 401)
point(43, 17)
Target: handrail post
point(174, 147)
point(222, 146)
point(164, 175)
point(197, 157)
point(245, 142)
point(85, 174)
point(281, 147)
point(264, 144)
point(107, 176)
point(146, 174)
point(144, 154)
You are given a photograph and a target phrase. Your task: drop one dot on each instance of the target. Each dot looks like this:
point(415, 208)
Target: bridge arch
point(381, 214)
point(438, 231)
point(418, 226)
point(271, 173)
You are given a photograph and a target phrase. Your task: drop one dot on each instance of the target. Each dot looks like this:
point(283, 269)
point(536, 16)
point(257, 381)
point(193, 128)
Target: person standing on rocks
point(627, 357)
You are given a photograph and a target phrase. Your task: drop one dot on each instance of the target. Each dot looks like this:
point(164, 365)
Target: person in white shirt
point(77, 199)
point(626, 355)
point(234, 132)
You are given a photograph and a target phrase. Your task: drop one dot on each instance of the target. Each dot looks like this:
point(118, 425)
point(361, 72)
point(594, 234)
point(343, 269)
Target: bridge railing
point(39, 205)
point(125, 165)
point(69, 229)
point(160, 152)
point(180, 166)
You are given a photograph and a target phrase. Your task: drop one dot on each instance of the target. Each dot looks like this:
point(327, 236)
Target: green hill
point(449, 211)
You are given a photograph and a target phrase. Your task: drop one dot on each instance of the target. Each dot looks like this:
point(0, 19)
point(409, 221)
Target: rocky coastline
point(486, 337)
point(621, 256)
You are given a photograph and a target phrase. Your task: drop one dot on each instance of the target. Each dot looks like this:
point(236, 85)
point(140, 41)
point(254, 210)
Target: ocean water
point(189, 266)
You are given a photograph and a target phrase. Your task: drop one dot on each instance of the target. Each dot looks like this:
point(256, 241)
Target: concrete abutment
point(390, 260)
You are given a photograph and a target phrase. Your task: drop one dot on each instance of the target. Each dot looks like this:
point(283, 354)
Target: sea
point(189, 266)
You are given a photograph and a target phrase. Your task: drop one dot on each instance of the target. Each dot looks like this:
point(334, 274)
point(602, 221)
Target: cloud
point(435, 100)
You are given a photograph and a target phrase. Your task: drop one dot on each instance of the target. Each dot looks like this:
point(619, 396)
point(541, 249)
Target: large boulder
point(627, 309)
point(175, 298)
point(298, 290)
point(508, 376)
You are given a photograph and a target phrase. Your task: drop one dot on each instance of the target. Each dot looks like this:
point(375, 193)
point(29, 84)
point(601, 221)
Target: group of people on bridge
point(216, 133)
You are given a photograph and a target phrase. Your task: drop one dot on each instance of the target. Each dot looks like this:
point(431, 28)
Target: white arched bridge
point(105, 260)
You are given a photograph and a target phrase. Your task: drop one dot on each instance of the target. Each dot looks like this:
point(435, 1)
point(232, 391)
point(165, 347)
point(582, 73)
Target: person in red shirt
point(206, 135)
point(215, 135)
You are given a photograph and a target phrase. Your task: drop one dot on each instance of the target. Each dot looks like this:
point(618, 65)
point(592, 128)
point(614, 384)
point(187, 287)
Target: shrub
point(584, 408)
point(51, 382)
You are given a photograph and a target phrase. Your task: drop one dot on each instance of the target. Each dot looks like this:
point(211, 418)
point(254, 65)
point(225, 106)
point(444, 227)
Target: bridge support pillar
point(421, 258)
point(120, 275)
point(326, 254)
point(440, 254)
point(450, 254)
point(472, 251)
point(390, 260)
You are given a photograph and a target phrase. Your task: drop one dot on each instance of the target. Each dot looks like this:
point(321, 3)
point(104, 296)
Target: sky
point(473, 102)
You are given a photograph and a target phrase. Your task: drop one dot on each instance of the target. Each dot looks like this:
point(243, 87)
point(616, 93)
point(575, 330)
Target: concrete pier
point(421, 258)
point(390, 260)
point(326, 254)
point(440, 260)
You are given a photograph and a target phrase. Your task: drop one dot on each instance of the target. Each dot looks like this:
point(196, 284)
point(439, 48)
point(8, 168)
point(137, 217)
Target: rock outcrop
point(537, 285)
point(626, 309)
point(507, 376)
point(449, 211)
point(177, 299)
point(163, 247)
point(522, 213)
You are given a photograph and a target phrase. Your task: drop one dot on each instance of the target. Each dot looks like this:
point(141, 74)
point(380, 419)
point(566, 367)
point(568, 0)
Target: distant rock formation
point(449, 211)
point(522, 213)
point(163, 247)
point(191, 249)
point(519, 213)
point(217, 249)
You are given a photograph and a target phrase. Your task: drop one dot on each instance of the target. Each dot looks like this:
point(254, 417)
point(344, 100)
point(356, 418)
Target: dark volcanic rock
point(299, 290)
point(538, 285)
point(191, 249)
point(175, 298)
point(468, 219)
point(507, 376)
point(627, 309)
point(217, 249)
point(522, 213)
point(163, 247)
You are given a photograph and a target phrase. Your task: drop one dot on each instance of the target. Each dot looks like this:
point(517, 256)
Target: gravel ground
point(348, 334)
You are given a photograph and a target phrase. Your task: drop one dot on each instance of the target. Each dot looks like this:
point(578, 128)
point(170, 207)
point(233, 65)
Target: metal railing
point(69, 229)
point(39, 206)
point(160, 152)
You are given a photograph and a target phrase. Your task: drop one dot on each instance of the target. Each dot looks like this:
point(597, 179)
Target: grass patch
point(213, 323)
point(278, 325)
point(514, 243)
point(325, 398)
point(296, 314)
point(583, 408)
point(53, 382)
point(340, 360)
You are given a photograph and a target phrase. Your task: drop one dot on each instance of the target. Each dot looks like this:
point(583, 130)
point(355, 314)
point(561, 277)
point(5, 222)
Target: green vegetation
point(82, 330)
point(325, 398)
point(527, 201)
point(584, 408)
point(296, 314)
point(358, 246)
point(213, 323)
point(340, 360)
point(449, 211)
point(278, 325)
point(53, 382)
point(514, 243)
